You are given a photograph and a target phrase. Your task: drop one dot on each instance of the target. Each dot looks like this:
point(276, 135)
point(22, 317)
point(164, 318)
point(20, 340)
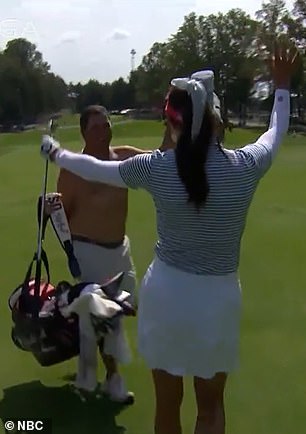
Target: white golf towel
point(93, 301)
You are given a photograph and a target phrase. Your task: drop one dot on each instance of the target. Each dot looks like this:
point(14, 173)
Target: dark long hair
point(191, 156)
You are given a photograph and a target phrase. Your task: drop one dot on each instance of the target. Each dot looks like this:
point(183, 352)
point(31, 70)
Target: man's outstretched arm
point(126, 151)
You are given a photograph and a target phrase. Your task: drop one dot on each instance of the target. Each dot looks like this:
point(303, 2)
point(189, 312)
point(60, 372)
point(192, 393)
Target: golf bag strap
point(61, 228)
point(44, 258)
point(28, 276)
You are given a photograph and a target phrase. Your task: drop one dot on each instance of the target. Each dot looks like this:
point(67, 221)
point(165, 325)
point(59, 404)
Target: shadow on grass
point(68, 413)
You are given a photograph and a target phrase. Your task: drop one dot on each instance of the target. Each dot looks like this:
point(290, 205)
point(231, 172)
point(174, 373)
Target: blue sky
point(84, 39)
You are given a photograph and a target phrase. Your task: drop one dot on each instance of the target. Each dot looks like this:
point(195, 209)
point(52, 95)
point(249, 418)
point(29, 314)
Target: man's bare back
point(95, 211)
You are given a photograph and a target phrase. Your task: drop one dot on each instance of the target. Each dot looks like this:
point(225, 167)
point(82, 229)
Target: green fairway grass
point(266, 396)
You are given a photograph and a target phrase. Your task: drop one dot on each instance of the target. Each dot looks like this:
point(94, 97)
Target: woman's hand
point(49, 147)
point(283, 64)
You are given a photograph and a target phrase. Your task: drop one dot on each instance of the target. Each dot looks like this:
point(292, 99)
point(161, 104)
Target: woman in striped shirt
point(190, 298)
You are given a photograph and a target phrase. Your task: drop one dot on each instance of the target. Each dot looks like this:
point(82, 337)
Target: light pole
point(132, 53)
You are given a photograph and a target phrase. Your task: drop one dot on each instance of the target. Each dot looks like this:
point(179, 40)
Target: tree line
point(27, 87)
point(233, 44)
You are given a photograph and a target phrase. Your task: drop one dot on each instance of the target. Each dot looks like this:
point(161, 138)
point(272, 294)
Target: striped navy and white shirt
point(205, 242)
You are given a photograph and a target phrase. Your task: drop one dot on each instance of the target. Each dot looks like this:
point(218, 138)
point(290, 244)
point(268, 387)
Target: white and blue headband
point(200, 86)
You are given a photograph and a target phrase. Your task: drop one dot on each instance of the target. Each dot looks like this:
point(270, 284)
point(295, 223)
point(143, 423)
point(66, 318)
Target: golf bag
point(39, 309)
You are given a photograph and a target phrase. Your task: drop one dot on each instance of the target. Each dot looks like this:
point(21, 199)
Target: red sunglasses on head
point(172, 114)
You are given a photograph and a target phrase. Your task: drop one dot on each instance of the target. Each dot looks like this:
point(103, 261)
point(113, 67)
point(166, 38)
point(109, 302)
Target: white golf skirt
point(189, 324)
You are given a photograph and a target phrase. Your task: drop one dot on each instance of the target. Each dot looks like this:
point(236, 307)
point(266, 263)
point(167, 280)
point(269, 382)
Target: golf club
point(50, 130)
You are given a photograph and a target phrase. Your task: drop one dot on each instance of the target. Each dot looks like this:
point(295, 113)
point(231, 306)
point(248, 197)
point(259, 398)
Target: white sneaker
point(115, 389)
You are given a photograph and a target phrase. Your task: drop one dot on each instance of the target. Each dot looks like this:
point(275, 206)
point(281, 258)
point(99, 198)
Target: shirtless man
point(97, 219)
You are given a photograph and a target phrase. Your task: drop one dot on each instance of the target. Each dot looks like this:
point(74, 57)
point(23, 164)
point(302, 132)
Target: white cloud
point(69, 37)
point(119, 35)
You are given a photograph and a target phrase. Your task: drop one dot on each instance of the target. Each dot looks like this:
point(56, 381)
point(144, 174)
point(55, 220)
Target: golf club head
point(52, 126)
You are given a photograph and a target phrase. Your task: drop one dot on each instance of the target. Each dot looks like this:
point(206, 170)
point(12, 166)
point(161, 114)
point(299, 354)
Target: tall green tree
point(227, 46)
point(153, 75)
point(26, 54)
point(184, 48)
point(223, 42)
point(27, 86)
point(300, 9)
